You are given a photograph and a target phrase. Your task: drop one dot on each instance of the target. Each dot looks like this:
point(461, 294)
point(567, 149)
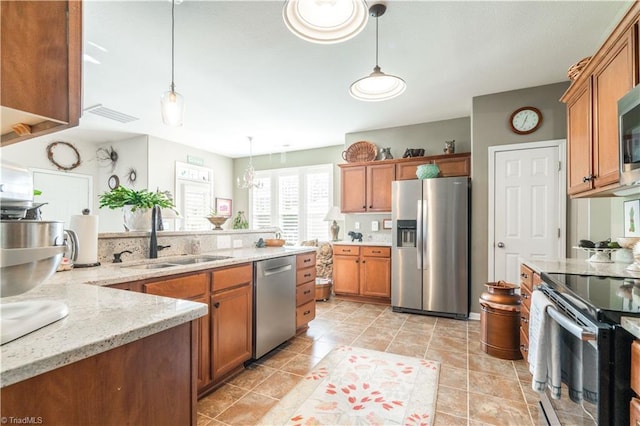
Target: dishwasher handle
point(277, 270)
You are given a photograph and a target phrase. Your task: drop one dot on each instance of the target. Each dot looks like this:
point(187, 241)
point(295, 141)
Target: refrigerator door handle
point(424, 237)
point(419, 234)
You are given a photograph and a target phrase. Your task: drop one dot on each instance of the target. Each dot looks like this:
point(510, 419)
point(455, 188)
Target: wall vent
point(111, 114)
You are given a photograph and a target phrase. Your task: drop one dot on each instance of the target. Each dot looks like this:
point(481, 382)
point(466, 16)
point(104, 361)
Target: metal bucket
point(500, 321)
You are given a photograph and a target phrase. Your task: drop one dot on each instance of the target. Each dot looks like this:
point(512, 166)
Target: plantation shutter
point(261, 206)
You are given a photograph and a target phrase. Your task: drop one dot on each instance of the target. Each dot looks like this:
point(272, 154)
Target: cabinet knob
point(525, 296)
point(524, 348)
point(307, 275)
point(307, 292)
point(523, 275)
point(364, 261)
point(370, 207)
point(524, 320)
point(306, 312)
point(216, 305)
point(588, 178)
point(364, 207)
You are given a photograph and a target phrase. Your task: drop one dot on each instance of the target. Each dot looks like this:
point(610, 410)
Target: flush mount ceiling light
point(172, 102)
point(325, 21)
point(249, 178)
point(377, 86)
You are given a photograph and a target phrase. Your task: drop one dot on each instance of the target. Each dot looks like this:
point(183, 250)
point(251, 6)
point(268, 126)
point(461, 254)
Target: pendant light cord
point(377, 41)
point(173, 23)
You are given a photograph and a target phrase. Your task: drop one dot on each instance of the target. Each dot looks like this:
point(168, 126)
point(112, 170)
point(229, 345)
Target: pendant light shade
point(248, 180)
point(377, 86)
point(172, 102)
point(325, 21)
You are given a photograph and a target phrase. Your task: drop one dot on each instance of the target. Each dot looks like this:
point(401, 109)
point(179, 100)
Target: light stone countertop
point(582, 267)
point(102, 318)
point(632, 325)
point(363, 243)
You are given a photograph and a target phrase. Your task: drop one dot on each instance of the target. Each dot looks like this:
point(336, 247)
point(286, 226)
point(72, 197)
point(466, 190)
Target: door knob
point(500, 244)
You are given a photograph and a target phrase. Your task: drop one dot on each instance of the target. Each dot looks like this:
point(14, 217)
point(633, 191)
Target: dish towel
point(544, 355)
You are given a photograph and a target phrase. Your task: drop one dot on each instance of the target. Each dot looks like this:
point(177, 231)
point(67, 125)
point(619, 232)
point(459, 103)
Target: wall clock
point(525, 120)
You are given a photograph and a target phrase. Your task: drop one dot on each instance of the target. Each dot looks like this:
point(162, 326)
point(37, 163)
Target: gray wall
point(490, 118)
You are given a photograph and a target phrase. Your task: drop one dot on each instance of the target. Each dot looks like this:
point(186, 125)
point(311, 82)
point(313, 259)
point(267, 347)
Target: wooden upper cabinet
point(379, 178)
point(353, 197)
point(579, 144)
point(592, 111)
point(450, 165)
point(611, 81)
point(41, 59)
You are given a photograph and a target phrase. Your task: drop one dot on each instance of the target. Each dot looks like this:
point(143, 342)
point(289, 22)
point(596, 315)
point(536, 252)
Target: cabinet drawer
point(524, 345)
point(635, 367)
point(305, 293)
point(525, 294)
point(346, 250)
point(305, 313)
point(376, 251)
point(181, 288)
point(305, 275)
point(524, 319)
point(231, 277)
point(306, 260)
point(536, 281)
point(526, 277)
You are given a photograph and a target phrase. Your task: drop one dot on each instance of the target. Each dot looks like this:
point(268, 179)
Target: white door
point(527, 206)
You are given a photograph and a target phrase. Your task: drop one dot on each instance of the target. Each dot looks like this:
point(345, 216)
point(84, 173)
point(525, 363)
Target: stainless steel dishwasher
point(274, 315)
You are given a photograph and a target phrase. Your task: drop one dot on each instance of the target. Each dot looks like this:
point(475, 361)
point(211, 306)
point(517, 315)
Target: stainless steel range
point(595, 348)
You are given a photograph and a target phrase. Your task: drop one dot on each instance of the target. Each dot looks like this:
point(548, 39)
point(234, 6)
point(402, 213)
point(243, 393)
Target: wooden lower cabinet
point(363, 271)
point(231, 318)
point(305, 290)
point(194, 287)
point(529, 280)
point(150, 381)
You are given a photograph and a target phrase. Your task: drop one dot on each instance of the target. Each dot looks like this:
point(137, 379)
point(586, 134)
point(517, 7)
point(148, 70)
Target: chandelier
point(248, 180)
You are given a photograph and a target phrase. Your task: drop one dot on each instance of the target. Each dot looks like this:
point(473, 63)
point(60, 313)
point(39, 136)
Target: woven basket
point(574, 70)
point(360, 151)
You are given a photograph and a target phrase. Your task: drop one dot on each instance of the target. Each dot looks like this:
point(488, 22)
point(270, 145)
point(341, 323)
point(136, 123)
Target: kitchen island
point(128, 348)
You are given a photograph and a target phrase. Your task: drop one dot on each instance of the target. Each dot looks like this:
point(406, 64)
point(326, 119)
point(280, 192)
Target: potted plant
point(136, 205)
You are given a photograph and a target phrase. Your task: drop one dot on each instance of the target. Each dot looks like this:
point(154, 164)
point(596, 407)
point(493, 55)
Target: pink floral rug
point(364, 387)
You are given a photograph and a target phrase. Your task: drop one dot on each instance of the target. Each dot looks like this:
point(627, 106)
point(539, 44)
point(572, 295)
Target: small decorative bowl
point(218, 221)
point(274, 242)
point(427, 171)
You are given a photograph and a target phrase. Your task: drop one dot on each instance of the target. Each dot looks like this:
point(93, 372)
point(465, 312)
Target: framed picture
point(632, 218)
point(223, 207)
point(386, 224)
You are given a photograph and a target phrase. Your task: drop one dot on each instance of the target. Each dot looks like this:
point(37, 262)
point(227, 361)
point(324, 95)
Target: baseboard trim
point(474, 316)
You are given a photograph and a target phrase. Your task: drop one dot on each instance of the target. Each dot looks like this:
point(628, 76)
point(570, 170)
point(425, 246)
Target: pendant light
point(325, 21)
point(249, 178)
point(377, 86)
point(172, 102)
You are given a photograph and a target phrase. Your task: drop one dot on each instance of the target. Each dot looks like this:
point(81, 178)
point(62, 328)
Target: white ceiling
point(242, 73)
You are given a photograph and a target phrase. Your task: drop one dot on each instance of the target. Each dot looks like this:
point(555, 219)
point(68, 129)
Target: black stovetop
point(602, 298)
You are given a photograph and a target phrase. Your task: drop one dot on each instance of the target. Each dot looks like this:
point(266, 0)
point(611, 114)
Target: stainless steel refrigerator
point(430, 253)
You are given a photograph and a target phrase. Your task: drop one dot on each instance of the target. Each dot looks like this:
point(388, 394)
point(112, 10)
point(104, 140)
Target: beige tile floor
point(474, 388)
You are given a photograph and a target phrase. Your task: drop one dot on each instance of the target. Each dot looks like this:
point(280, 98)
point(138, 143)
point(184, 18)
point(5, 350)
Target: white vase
point(136, 220)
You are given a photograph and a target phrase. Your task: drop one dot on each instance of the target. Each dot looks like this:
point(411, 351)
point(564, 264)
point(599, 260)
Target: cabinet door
point(204, 346)
point(346, 274)
point(455, 166)
point(611, 81)
point(379, 178)
point(231, 329)
point(376, 277)
point(579, 144)
point(407, 170)
point(41, 65)
point(353, 189)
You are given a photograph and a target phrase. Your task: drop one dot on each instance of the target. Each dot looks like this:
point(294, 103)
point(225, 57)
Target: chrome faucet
point(153, 240)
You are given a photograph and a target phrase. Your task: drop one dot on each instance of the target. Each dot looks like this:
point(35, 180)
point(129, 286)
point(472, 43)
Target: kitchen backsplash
point(180, 243)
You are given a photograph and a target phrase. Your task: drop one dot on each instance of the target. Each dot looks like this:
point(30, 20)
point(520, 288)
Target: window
point(295, 200)
point(194, 192)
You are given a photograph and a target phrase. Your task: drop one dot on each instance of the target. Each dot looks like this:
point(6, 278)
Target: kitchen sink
point(150, 266)
point(198, 259)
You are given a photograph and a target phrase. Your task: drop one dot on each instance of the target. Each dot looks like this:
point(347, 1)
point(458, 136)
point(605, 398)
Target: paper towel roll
point(86, 227)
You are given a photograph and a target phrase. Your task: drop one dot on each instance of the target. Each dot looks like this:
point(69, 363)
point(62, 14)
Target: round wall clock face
point(525, 120)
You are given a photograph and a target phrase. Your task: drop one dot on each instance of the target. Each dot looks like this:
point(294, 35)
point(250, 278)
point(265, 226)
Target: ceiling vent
point(111, 114)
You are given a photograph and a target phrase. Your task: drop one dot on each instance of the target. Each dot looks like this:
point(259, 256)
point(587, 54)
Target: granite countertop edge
point(101, 318)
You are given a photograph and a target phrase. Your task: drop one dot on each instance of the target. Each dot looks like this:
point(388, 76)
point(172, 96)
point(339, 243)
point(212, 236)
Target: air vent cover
point(111, 114)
